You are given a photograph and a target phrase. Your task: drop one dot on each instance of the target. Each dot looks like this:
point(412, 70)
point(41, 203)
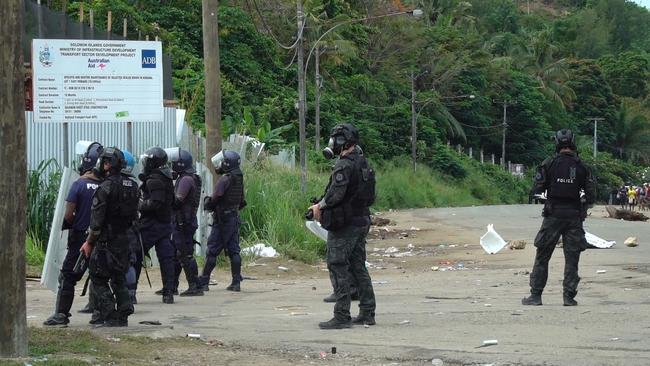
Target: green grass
point(35, 253)
point(42, 189)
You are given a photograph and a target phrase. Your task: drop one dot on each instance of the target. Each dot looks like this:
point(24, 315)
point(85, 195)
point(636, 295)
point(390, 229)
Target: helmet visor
point(218, 159)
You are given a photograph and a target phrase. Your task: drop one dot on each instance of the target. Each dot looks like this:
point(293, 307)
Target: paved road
point(424, 314)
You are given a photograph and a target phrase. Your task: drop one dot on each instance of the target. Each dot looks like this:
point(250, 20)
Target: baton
point(144, 262)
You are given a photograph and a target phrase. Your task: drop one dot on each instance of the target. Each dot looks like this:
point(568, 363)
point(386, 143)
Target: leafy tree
point(627, 73)
point(632, 133)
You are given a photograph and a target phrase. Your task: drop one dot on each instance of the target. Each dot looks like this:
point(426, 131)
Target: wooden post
point(492, 159)
point(471, 153)
point(482, 161)
point(91, 23)
point(109, 24)
point(212, 66)
point(13, 316)
point(124, 29)
point(81, 20)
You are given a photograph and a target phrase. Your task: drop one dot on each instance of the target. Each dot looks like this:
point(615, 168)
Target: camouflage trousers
point(346, 262)
point(574, 242)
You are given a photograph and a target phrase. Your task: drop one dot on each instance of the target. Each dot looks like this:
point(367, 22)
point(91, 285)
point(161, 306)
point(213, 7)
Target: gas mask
point(334, 147)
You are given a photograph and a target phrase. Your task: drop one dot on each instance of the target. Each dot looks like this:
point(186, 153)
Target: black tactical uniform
point(115, 207)
point(562, 177)
point(346, 215)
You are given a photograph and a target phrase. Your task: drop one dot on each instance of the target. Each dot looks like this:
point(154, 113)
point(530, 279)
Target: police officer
point(562, 177)
point(76, 220)
point(225, 203)
point(135, 247)
point(155, 223)
point(187, 196)
point(114, 209)
point(344, 212)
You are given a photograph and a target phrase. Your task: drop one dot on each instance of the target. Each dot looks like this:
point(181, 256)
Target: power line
point(268, 29)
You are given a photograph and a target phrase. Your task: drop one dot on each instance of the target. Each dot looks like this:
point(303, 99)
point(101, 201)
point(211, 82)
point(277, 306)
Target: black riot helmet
point(89, 158)
point(564, 138)
point(182, 162)
point(153, 158)
point(342, 136)
point(226, 161)
point(114, 156)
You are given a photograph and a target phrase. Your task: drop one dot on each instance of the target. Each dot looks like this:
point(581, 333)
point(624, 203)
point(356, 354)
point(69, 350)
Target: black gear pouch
point(332, 218)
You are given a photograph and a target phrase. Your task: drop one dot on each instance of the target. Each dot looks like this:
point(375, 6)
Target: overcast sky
point(645, 3)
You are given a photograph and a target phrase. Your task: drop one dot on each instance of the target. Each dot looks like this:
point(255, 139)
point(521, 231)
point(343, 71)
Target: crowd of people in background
point(632, 196)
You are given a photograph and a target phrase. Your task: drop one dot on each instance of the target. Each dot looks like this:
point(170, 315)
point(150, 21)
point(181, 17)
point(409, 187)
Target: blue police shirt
point(81, 194)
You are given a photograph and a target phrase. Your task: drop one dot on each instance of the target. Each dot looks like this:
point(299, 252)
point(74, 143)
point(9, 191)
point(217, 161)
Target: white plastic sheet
point(58, 241)
point(316, 229)
point(597, 242)
point(261, 250)
point(491, 241)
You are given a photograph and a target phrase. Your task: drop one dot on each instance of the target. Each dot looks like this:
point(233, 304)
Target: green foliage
point(42, 189)
point(34, 250)
point(627, 73)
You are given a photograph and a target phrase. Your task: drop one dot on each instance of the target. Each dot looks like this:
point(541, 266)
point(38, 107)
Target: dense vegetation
point(556, 63)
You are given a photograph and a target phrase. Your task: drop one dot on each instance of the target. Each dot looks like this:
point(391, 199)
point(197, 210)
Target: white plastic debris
point(437, 362)
point(491, 241)
point(601, 271)
point(404, 322)
point(390, 250)
point(193, 335)
point(490, 342)
point(597, 242)
point(316, 229)
point(261, 250)
point(282, 268)
point(631, 242)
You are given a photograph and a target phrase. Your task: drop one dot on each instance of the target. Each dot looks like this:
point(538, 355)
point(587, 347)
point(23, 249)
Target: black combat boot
point(330, 298)
point(168, 297)
point(96, 318)
point(569, 301)
point(533, 299)
point(335, 324)
point(194, 290)
point(364, 318)
point(354, 296)
point(160, 292)
point(62, 312)
point(234, 286)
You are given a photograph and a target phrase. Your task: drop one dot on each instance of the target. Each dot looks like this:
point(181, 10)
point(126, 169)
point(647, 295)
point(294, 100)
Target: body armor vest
point(164, 214)
point(234, 195)
point(361, 192)
point(123, 204)
point(565, 177)
point(190, 206)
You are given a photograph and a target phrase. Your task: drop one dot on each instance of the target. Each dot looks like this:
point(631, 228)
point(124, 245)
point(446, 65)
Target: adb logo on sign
point(148, 59)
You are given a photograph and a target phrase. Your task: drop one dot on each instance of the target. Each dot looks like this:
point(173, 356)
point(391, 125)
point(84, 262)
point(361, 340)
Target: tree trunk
point(212, 80)
point(13, 335)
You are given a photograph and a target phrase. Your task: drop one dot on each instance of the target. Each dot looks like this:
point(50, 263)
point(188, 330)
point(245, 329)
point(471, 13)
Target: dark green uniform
point(346, 215)
point(562, 177)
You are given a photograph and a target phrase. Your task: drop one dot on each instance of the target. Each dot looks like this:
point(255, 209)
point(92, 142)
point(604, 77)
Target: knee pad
point(235, 258)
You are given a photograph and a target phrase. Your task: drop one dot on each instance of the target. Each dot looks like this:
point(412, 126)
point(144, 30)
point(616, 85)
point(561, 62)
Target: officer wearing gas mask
point(225, 203)
point(187, 196)
point(114, 209)
point(76, 221)
point(155, 223)
point(344, 212)
point(562, 177)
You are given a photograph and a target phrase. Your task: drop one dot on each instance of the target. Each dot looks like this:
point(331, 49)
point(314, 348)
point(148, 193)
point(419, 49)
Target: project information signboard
point(97, 80)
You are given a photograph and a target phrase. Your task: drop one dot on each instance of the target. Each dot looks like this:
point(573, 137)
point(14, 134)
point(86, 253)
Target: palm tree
point(632, 131)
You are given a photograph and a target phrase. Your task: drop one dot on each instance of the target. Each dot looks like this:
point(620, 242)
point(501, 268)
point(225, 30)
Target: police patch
point(339, 177)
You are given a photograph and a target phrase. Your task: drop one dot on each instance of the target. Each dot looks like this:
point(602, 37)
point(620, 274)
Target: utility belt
point(562, 209)
point(220, 216)
point(338, 217)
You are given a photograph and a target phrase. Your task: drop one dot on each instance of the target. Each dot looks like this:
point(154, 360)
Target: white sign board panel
point(97, 81)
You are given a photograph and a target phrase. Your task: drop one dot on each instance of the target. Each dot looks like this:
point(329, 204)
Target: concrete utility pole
point(212, 67)
point(505, 105)
point(595, 119)
point(319, 84)
point(301, 98)
point(13, 317)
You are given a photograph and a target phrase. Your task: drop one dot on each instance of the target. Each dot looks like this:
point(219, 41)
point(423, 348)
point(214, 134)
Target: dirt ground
point(439, 296)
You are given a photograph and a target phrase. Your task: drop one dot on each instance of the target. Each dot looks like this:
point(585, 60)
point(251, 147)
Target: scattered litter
point(631, 242)
point(517, 244)
point(491, 241)
point(415, 228)
point(261, 250)
point(323, 355)
point(333, 350)
point(295, 313)
point(31, 316)
point(614, 339)
point(490, 342)
point(487, 305)
point(452, 245)
point(366, 326)
point(379, 282)
point(283, 268)
point(437, 362)
point(410, 246)
point(597, 242)
point(150, 322)
point(390, 250)
point(253, 264)
point(193, 335)
point(435, 268)
point(111, 339)
point(627, 289)
point(404, 322)
point(601, 271)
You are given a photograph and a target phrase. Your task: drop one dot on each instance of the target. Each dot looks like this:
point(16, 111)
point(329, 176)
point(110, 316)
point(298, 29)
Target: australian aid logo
point(148, 59)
